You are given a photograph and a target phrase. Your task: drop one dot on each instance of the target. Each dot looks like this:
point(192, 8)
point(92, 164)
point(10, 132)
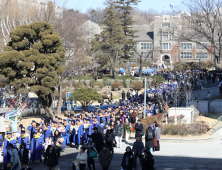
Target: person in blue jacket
point(36, 148)
point(32, 129)
point(24, 139)
point(7, 141)
point(67, 128)
point(78, 132)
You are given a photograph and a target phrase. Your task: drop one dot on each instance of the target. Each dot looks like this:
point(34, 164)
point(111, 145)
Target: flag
point(171, 6)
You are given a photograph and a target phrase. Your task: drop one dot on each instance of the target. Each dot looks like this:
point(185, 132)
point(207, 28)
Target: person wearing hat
point(97, 138)
point(105, 157)
point(7, 141)
point(32, 129)
point(36, 148)
point(24, 139)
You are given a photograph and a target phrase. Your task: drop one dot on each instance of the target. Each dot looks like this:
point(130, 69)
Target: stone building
point(160, 42)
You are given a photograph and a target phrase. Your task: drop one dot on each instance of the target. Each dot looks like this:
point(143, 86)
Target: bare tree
point(143, 57)
point(204, 24)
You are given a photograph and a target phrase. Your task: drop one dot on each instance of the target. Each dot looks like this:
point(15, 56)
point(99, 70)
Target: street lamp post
point(144, 111)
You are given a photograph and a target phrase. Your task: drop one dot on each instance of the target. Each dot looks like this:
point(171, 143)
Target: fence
point(216, 125)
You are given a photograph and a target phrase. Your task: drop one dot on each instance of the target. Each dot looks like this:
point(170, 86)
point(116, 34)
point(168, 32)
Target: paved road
point(173, 156)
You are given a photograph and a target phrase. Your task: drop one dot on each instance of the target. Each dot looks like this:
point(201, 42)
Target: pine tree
point(124, 7)
point(32, 60)
point(111, 40)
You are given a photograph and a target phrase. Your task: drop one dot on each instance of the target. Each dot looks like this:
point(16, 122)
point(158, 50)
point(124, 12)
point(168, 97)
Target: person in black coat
point(139, 129)
point(97, 138)
point(51, 160)
point(109, 138)
point(147, 161)
point(128, 95)
point(149, 139)
point(23, 153)
point(123, 96)
point(127, 161)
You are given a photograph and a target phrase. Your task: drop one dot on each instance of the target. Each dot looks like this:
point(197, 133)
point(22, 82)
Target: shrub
point(180, 119)
point(78, 85)
point(185, 129)
point(2, 84)
point(137, 85)
point(116, 85)
point(150, 119)
point(98, 84)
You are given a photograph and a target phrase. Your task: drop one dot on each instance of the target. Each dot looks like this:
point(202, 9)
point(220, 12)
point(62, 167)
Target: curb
point(181, 140)
point(175, 140)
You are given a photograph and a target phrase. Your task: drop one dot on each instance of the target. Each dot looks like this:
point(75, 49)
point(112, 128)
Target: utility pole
point(199, 69)
point(144, 112)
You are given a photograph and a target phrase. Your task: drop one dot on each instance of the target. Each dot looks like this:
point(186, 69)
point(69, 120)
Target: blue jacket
point(26, 141)
point(37, 150)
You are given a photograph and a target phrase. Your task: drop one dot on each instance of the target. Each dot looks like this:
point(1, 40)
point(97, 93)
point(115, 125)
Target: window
point(202, 55)
point(186, 46)
point(165, 25)
point(185, 55)
point(198, 46)
point(146, 46)
point(166, 36)
point(166, 46)
point(141, 46)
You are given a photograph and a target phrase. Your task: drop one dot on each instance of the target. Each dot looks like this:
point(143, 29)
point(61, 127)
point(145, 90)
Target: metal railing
point(216, 125)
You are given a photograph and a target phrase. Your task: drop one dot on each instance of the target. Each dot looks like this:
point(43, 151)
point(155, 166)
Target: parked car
point(97, 105)
point(104, 107)
point(89, 109)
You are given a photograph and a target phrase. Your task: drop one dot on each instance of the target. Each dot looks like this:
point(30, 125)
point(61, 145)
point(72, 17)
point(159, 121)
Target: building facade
point(165, 46)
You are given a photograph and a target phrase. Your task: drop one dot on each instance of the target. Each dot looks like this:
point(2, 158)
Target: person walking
point(157, 133)
point(147, 161)
point(91, 147)
point(23, 153)
point(105, 157)
point(126, 132)
point(97, 138)
point(149, 139)
point(14, 157)
point(137, 149)
point(139, 129)
point(118, 132)
point(51, 160)
point(82, 158)
point(109, 138)
point(127, 160)
point(123, 96)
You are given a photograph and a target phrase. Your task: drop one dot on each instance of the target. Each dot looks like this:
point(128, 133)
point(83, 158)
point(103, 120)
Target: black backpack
point(149, 135)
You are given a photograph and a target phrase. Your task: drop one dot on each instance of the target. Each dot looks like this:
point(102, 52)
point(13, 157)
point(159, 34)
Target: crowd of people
point(97, 132)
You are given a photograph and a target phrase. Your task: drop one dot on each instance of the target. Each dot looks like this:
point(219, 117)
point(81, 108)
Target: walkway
point(173, 156)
